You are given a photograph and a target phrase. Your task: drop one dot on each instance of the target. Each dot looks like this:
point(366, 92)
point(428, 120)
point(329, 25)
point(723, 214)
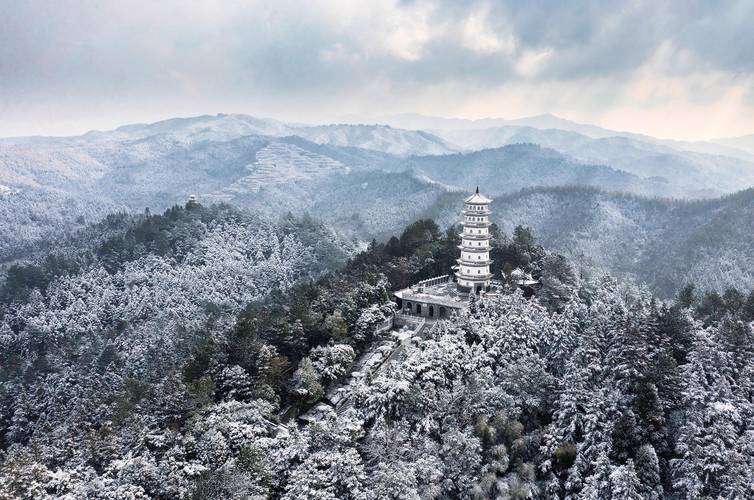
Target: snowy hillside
point(280, 163)
point(693, 174)
point(226, 127)
point(740, 147)
point(510, 168)
point(221, 127)
point(53, 186)
point(659, 242)
point(745, 143)
point(208, 352)
point(378, 138)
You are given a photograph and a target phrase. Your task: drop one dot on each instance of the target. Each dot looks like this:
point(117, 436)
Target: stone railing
point(385, 325)
point(438, 280)
point(414, 322)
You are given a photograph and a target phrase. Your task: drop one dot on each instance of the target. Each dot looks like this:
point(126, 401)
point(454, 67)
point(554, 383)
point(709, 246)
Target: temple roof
point(477, 198)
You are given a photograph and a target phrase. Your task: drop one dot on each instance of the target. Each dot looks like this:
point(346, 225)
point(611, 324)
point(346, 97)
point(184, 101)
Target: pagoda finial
point(477, 190)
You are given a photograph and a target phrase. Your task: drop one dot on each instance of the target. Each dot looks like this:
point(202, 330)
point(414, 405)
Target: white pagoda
point(438, 297)
point(473, 271)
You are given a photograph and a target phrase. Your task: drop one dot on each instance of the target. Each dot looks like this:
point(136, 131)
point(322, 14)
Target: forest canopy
point(169, 356)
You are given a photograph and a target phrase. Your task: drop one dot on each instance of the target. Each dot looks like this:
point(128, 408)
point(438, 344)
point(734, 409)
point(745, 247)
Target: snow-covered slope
point(545, 121)
point(280, 163)
point(227, 127)
point(741, 148)
point(663, 243)
point(745, 142)
point(220, 127)
point(510, 168)
point(695, 174)
point(378, 138)
point(59, 183)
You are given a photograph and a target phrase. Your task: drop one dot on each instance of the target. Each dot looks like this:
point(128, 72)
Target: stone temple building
point(440, 296)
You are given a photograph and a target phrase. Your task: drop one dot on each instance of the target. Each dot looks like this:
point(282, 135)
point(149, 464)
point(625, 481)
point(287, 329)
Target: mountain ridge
point(662, 242)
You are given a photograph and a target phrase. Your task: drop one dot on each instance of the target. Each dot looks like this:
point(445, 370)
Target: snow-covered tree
point(624, 483)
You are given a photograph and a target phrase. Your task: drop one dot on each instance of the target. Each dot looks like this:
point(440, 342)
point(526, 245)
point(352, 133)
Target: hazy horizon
point(674, 70)
point(385, 120)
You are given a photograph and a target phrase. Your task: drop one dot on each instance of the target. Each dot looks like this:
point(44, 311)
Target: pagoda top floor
point(476, 212)
point(477, 199)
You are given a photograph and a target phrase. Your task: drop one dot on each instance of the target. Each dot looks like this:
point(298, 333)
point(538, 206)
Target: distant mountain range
point(225, 127)
point(371, 180)
point(232, 153)
point(744, 143)
point(693, 174)
point(740, 147)
point(546, 121)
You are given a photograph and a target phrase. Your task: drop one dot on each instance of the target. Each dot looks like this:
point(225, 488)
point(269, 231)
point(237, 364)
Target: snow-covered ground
point(280, 162)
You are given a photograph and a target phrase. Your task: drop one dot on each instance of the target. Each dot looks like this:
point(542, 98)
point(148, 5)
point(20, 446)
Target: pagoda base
point(477, 288)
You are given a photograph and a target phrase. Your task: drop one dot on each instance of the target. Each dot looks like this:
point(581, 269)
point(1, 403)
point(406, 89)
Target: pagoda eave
point(476, 237)
point(475, 263)
point(474, 277)
point(474, 249)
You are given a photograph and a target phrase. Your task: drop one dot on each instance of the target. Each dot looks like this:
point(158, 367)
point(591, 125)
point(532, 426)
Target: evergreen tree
point(624, 483)
point(733, 300)
point(305, 383)
point(747, 311)
point(708, 438)
point(648, 473)
point(597, 486)
point(686, 296)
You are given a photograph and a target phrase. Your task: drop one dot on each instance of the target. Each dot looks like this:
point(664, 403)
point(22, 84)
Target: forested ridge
point(369, 181)
point(664, 243)
point(166, 356)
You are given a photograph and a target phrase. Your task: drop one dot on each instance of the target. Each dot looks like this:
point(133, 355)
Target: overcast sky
point(678, 69)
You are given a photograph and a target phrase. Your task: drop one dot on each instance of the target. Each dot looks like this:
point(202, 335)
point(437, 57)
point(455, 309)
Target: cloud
point(70, 64)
